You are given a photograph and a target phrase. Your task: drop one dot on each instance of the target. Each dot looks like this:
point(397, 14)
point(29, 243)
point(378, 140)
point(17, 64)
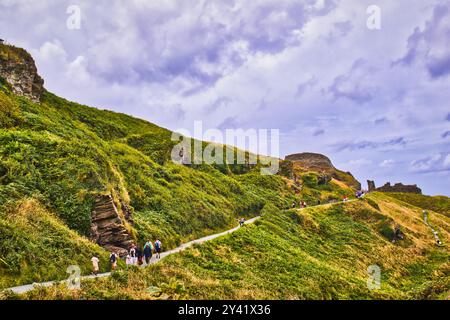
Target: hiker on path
point(129, 261)
point(133, 255)
point(113, 260)
point(95, 261)
point(139, 256)
point(241, 222)
point(158, 248)
point(148, 251)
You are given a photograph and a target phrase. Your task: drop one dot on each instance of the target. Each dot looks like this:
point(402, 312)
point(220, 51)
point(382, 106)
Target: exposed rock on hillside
point(107, 227)
point(301, 162)
point(18, 69)
point(311, 160)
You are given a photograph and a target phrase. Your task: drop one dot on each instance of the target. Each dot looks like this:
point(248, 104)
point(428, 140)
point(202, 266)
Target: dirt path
point(435, 233)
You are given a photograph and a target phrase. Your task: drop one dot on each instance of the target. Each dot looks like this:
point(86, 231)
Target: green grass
point(36, 246)
point(57, 156)
point(316, 253)
point(440, 204)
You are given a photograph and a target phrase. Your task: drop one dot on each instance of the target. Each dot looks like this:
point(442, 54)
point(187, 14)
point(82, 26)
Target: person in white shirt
point(95, 261)
point(129, 260)
point(133, 255)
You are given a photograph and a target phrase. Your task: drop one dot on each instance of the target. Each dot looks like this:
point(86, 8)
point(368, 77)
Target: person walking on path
point(129, 261)
point(158, 248)
point(95, 261)
point(241, 222)
point(113, 260)
point(139, 256)
point(148, 250)
point(133, 254)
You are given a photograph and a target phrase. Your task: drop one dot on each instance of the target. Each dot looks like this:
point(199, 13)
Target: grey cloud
point(361, 145)
point(302, 87)
point(199, 42)
point(431, 46)
point(318, 132)
point(381, 120)
point(344, 27)
point(355, 85)
point(435, 163)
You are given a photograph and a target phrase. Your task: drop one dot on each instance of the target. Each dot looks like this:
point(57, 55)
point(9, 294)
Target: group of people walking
point(302, 204)
point(136, 256)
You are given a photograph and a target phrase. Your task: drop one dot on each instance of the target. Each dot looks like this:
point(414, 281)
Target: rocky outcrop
point(312, 161)
point(307, 161)
point(18, 69)
point(398, 187)
point(107, 228)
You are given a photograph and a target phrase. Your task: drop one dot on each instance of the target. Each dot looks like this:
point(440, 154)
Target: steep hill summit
point(297, 164)
point(17, 67)
point(311, 160)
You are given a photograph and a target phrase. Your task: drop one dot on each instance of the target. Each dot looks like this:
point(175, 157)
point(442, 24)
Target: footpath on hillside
point(435, 233)
point(29, 287)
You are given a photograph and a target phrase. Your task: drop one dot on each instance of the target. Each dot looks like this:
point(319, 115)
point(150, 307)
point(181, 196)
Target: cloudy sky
point(377, 102)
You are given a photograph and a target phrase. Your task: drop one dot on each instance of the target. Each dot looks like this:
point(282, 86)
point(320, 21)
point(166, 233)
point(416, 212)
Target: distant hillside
point(440, 204)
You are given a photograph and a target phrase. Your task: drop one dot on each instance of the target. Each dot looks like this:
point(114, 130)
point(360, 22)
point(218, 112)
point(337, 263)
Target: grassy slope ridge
point(439, 204)
point(316, 253)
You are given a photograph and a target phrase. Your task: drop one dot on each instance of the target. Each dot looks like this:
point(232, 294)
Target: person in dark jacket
point(139, 256)
point(148, 251)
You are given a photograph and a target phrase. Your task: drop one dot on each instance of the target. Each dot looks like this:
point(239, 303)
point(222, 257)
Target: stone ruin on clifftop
point(398, 187)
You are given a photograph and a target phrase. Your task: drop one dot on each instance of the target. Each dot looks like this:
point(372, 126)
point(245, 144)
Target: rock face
point(17, 67)
point(311, 160)
point(398, 187)
point(319, 163)
point(107, 227)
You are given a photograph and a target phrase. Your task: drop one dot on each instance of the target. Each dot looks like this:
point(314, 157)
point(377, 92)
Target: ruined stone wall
point(398, 187)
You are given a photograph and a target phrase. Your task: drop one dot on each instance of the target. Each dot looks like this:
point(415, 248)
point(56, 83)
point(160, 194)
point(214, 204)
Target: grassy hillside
point(37, 246)
point(440, 204)
point(316, 253)
point(60, 155)
point(57, 156)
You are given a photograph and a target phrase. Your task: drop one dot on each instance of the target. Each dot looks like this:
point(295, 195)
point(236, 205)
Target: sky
point(374, 100)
